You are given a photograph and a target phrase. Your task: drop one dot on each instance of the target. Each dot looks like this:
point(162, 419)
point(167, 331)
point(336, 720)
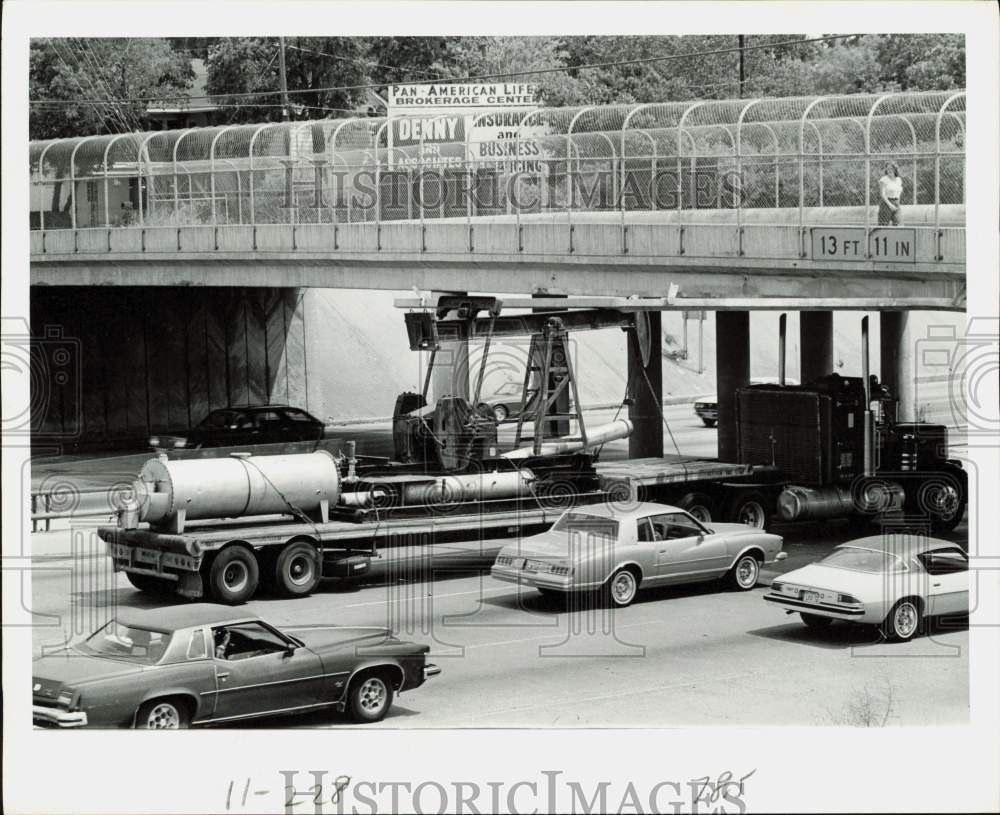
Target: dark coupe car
point(204, 664)
point(254, 424)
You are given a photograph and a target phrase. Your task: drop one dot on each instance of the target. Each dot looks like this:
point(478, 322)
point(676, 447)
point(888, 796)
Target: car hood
point(325, 636)
point(73, 667)
point(818, 576)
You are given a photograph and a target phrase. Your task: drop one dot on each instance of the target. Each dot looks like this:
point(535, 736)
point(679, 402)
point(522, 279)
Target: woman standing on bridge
point(890, 190)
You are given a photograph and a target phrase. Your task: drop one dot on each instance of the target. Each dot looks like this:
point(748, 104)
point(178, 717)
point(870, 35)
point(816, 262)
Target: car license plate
point(517, 563)
point(810, 597)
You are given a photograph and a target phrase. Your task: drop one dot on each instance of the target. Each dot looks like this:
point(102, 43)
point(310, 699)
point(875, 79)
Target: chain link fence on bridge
point(700, 160)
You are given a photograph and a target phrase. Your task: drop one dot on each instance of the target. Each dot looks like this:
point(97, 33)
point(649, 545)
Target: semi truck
point(223, 528)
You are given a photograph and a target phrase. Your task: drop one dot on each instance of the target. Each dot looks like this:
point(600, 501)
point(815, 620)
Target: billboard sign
point(461, 123)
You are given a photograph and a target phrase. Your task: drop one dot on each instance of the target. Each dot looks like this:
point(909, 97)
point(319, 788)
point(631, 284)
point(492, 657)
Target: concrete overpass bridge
point(727, 205)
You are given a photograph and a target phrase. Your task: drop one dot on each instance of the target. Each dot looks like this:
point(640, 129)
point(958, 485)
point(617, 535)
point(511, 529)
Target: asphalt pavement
point(678, 656)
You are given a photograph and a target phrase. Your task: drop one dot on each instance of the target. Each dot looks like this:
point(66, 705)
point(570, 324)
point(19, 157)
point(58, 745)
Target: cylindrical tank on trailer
point(454, 489)
point(172, 492)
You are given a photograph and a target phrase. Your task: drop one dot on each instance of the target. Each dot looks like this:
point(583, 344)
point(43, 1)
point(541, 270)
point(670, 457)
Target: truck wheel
point(699, 506)
point(751, 509)
point(943, 502)
point(370, 698)
point(234, 575)
point(297, 569)
point(150, 584)
point(745, 573)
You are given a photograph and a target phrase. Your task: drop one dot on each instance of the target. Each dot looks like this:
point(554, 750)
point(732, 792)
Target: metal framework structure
point(689, 158)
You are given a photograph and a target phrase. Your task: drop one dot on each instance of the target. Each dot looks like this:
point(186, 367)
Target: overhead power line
point(536, 72)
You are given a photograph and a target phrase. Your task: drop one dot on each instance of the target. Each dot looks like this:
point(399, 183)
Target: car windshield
point(589, 524)
point(863, 560)
point(121, 641)
point(508, 389)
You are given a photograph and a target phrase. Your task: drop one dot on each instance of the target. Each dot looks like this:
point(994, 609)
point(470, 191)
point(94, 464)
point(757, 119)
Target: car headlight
point(847, 598)
point(154, 441)
point(180, 442)
point(65, 698)
point(504, 560)
point(776, 586)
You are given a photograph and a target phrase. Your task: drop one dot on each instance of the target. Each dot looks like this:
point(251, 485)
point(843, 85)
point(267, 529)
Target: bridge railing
point(739, 161)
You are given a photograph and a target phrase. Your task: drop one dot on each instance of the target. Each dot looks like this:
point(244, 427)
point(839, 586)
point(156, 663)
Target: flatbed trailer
point(227, 560)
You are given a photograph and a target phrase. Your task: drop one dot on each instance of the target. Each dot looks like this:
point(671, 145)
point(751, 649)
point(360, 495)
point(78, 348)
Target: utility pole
point(741, 41)
point(284, 81)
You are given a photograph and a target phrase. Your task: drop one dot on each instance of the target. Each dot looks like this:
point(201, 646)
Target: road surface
point(689, 655)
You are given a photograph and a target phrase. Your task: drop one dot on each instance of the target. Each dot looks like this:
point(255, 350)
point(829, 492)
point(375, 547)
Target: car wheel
point(370, 698)
point(234, 575)
point(621, 589)
point(904, 622)
point(699, 506)
point(815, 621)
point(162, 714)
point(709, 422)
point(750, 509)
point(150, 584)
point(500, 412)
point(297, 569)
point(745, 573)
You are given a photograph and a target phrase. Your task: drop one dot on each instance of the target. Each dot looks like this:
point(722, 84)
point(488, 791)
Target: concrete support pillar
point(815, 345)
point(732, 371)
point(898, 369)
point(645, 362)
point(450, 376)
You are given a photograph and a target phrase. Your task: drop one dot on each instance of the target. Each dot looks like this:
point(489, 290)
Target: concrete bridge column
point(645, 362)
point(732, 371)
point(815, 345)
point(898, 369)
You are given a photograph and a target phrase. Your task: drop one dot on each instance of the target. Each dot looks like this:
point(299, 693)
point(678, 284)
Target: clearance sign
point(459, 123)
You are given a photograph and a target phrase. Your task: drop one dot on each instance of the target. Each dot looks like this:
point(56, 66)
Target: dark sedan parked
point(204, 664)
point(254, 424)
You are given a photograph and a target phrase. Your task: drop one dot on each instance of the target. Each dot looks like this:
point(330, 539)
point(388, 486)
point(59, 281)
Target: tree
point(249, 65)
point(93, 86)
point(512, 58)
point(922, 61)
point(405, 59)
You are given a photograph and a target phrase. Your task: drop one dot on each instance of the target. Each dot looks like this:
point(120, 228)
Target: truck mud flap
point(190, 584)
point(349, 566)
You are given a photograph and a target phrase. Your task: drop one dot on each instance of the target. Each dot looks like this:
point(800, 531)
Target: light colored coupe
point(600, 548)
point(893, 581)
